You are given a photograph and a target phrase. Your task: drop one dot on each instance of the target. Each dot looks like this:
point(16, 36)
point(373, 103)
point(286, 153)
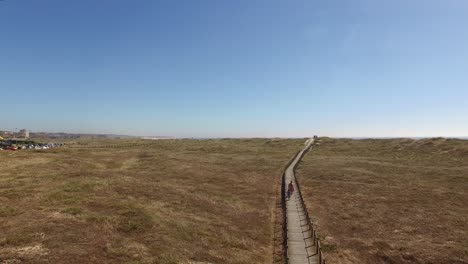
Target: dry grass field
point(142, 201)
point(389, 201)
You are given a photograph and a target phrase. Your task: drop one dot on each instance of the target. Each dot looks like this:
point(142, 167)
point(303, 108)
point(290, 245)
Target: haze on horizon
point(235, 68)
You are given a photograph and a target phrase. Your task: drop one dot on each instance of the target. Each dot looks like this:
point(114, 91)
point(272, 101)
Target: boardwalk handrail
point(316, 240)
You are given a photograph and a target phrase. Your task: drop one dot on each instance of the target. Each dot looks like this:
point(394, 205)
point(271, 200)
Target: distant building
point(6, 134)
point(23, 133)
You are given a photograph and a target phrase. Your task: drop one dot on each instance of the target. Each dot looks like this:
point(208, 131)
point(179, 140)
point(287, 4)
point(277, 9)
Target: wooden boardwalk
point(301, 246)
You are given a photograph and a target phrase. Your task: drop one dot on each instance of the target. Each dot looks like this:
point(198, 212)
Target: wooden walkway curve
point(302, 243)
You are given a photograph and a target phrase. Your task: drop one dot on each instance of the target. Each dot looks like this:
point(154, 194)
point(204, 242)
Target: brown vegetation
point(142, 201)
point(389, 201)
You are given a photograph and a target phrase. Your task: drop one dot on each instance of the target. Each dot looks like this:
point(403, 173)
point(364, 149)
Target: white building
point(23, 133)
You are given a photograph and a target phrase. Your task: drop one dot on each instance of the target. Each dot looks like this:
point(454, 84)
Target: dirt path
point(300, 244)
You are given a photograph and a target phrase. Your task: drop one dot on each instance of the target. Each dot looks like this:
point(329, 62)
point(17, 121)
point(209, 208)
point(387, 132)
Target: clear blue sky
point(212, 68)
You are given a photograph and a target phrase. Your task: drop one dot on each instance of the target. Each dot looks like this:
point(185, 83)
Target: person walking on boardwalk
point(290, 189)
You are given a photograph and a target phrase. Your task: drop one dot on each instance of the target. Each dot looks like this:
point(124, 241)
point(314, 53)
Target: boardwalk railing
point(315, 238)
point(316, 242)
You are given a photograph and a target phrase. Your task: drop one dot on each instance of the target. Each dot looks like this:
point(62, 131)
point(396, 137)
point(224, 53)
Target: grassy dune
point(142, 201)
point(389, 201)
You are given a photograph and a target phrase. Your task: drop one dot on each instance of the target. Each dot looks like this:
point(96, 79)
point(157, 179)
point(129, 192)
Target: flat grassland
point(142, 201)
point(389, 200)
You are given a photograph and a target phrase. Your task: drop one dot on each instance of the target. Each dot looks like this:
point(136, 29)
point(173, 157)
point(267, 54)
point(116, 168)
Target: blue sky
point(246, 68)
